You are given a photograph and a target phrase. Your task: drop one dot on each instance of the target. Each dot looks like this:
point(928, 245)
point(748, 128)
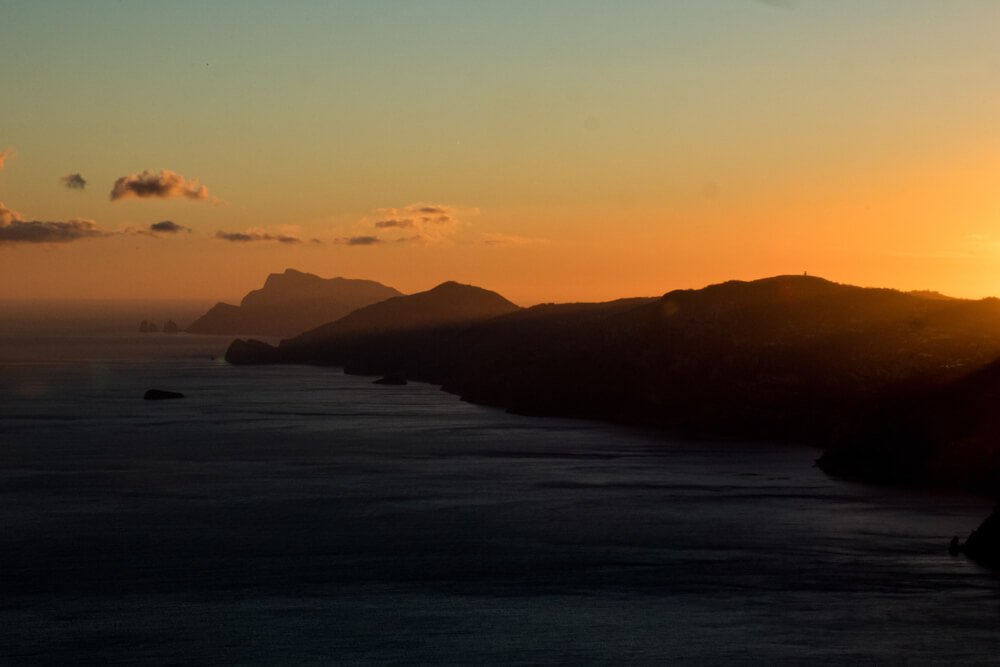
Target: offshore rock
point(983, 545)
point(161, 395)
point(392, 378)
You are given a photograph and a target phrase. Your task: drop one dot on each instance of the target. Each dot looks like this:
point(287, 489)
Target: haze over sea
point(296, 514)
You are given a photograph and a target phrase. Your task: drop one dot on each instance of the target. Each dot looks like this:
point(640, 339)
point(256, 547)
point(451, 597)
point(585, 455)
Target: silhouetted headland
point(791, 357)
point(290, 303)
point(386, 334)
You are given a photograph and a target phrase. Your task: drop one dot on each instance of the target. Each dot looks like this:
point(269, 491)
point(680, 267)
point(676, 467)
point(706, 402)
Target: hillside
point(448, 303)
point(790, 357)
point(945, 436)
point(428, 316)
point(290, 303)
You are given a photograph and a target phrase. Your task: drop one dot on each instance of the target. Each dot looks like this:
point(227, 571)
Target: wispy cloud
point(168, 227)
point(74, 181)
point(424, 224)
point(5, 154)
point(358, 240)
point(253, 235)
point(164, 184)
point(496, 239)
point(394, 222)
point(430, 222)
point(15, 229)
point(7, 216)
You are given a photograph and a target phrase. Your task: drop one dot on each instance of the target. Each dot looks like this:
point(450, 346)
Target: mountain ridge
point(795, 358)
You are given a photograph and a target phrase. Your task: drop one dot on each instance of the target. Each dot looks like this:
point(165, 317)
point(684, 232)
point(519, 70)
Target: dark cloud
point(247, 237)
point(358, 240)
point(415, 216)
point(375, 240)
point(15, 229)
point(35, 231)
point(164, 185)
point(74, 181)
point(238, 237)
point(167, 227)
point(401, 224)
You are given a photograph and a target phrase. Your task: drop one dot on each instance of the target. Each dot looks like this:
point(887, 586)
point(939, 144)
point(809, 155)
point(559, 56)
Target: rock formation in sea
point(161, 395)
point(983, 544)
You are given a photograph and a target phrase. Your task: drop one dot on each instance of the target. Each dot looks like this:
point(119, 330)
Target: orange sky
point(567, 151)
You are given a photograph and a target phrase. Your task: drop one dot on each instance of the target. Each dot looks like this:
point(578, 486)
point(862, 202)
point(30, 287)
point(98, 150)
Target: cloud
point(420, 217)
point(15, 229)
point(8, 216)
point(358, 240)
point(496, 239)
point(401, 224)
point(423, 224)
point(164, 185)
point(426, 224)
point(168, 227)
point(4, 154)
point(254, 235)
point(74, 181)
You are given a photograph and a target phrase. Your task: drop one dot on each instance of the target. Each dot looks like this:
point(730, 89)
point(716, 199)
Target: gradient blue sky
point(584, 149)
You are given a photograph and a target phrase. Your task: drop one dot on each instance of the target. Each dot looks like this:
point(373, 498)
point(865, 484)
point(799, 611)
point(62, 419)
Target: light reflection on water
point(295, 514)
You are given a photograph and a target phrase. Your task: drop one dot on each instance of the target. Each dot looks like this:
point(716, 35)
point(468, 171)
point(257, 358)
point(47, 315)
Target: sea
point(298, 515)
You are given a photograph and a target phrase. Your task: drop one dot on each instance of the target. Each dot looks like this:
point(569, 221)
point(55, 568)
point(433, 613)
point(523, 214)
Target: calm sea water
point(295, 515)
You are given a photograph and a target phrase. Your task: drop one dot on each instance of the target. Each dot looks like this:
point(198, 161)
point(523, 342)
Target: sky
point(551, 151)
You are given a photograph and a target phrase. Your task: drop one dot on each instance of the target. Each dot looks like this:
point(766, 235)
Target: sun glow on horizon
point(556, 152)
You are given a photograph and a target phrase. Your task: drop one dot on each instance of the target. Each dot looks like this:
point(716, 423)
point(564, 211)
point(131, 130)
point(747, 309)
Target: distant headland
point(290, 303)
point(856, 370)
